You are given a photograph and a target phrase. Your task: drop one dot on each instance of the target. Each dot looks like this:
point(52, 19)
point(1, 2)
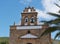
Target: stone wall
point(16, 34)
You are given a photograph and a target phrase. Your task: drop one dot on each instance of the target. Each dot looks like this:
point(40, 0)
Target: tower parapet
point(29, 10)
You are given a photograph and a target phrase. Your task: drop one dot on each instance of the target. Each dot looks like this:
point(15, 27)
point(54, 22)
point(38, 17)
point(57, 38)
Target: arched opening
point(29, 10)
point(32, 20)
point(26, 19)
point(29, 43)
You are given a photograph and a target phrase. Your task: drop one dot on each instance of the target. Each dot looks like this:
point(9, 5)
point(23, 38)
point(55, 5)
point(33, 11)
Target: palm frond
point(49, 30)
point(56, 21)
point(57, 35)
point(54, 14)
point(57, 5)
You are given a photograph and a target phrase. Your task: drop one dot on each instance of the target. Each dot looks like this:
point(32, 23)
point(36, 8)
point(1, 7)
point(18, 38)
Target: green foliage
point(4, 40)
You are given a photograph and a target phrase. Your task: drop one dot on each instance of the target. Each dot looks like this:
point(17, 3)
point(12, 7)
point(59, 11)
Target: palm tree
point(55, 21)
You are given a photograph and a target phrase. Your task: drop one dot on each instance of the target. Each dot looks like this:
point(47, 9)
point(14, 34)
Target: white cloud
point(50, 6)
point(42, 15)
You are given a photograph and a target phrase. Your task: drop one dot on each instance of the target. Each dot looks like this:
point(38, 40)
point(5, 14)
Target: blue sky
point(10, 12)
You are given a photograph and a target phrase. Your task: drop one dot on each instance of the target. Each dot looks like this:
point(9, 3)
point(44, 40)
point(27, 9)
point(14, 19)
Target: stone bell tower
point(29, 16)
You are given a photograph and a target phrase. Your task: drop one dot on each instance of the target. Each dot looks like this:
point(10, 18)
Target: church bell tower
point(29, 16)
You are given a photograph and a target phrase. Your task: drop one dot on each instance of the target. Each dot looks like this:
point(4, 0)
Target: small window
point(28, 31)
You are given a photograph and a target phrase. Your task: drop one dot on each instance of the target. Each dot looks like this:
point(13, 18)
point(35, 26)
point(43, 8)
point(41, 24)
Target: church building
point(29, 31)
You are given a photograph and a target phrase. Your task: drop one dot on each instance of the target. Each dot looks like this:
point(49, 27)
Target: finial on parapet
point(14, 24)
